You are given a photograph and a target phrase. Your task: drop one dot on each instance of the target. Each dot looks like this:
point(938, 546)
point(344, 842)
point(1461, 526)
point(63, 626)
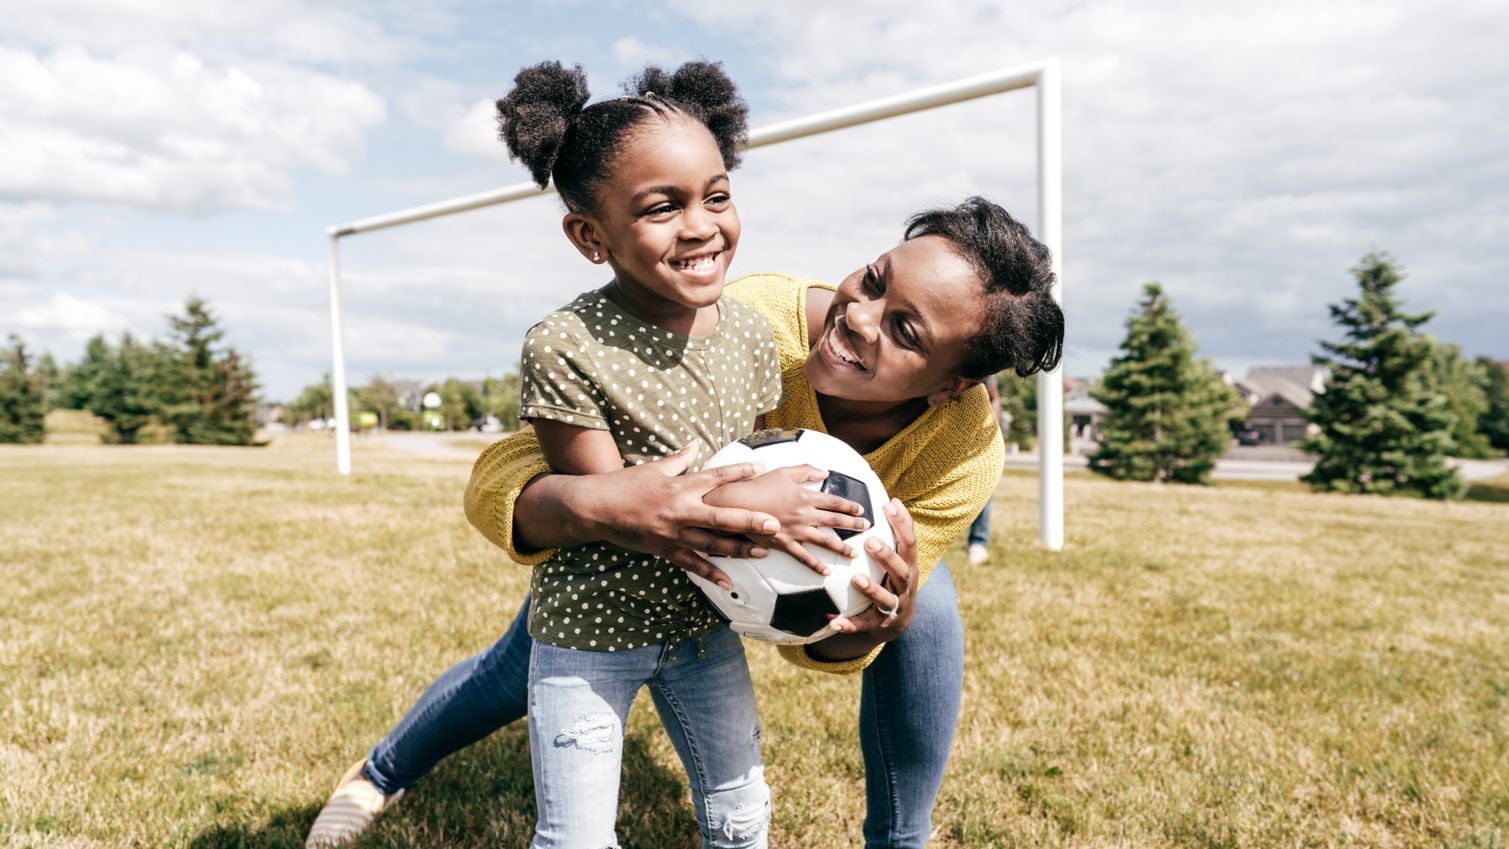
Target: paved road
point(1257, 463)
point(1240, 465)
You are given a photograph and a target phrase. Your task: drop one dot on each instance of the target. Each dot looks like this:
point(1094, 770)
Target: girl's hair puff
point(547, 126)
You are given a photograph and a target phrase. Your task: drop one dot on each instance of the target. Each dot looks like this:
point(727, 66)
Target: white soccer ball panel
point(778, 598)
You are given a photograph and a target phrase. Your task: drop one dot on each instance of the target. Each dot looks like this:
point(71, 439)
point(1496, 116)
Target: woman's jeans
point(909, 705)
point(578, 707)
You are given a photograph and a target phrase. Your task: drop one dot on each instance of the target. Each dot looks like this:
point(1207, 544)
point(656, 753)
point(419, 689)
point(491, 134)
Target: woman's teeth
point(843, 353)
point(700, 264)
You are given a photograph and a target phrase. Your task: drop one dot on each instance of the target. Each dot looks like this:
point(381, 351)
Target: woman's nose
point(863, 319)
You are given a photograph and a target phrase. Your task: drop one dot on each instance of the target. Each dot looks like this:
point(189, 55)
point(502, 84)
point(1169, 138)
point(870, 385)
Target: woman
point(890, 361)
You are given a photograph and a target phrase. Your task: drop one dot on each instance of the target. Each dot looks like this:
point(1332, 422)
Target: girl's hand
point(805, 515)
point(893, 601)
point(655, 509)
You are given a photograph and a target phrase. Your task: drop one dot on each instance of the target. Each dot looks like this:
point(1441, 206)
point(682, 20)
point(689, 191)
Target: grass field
point(196, 641)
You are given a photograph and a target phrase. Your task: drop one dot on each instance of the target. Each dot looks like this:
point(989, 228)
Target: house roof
point(1311, 378)
point(1269, 386)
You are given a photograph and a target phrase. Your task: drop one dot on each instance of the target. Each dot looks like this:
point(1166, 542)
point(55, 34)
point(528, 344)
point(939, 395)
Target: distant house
point(410, 392)
point(1083, 412)
point(1279, 396)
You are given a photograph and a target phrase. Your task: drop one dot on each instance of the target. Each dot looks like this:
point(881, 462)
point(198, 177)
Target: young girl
point(649, 363)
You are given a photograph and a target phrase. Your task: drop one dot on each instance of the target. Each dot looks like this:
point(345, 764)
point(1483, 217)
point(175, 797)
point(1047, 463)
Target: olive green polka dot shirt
point(592, 365)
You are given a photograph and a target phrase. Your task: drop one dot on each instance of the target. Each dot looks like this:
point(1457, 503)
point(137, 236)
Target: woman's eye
point(870, 283)
point(904, 334)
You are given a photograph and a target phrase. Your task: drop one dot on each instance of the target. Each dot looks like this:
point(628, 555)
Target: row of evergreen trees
point(1396, 403)
point(461, 404)
point(189, 386)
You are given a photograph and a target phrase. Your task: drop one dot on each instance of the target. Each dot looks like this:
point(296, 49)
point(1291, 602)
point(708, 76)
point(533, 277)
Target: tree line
point(187, 388)
point(462, 404)
point(1397, 402)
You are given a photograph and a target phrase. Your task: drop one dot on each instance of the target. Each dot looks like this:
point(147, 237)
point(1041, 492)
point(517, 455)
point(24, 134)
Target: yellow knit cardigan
point(943, 466)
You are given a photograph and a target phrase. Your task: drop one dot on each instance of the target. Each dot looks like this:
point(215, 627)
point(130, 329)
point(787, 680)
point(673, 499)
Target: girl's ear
point(949, 391)
point(583, 233)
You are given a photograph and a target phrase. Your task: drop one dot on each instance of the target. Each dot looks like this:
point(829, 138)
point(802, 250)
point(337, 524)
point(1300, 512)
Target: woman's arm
point(519, 505)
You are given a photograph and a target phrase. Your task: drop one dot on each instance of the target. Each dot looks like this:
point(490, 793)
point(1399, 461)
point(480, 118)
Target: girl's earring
point(596, 257)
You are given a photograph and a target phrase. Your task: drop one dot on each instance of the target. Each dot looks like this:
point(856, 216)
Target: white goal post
point(1043, 75)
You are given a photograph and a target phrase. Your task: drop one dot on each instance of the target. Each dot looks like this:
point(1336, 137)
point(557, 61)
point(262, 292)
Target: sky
point(1246, 155)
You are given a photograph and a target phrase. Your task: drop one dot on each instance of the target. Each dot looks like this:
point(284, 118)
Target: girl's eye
point(662, 209)
point(718, 200)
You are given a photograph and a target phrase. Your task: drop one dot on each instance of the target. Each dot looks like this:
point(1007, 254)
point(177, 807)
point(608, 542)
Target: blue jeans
point(909, 705)
point(979, 529)
point(578, 706)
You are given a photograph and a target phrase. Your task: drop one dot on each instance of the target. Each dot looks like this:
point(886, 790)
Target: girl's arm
point(576, 450)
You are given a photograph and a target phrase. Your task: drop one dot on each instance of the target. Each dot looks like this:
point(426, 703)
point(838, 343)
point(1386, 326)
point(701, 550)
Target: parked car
point(1249, 436)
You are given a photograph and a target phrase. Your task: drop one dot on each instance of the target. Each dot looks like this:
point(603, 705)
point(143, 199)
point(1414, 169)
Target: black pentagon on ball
point(803, 613)
point(843, 486)
point(771, 436)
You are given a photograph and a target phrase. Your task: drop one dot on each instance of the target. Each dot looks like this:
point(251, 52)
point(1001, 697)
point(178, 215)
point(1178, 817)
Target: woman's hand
point(805, 515)
point(892, 601)
point(655, 509)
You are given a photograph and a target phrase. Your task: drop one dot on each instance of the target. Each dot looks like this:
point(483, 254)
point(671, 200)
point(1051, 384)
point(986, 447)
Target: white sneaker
point(978, 554)
point(353, 806)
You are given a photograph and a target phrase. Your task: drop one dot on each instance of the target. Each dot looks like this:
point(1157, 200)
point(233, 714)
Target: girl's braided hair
point(546, 124)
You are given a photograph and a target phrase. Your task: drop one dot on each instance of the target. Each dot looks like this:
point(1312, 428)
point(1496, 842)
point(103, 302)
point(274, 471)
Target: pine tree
point(123, 388)
point(208, 395)
point(1019, 404)
point(1464, 384)
point(23, 397)
point(1382, 428)
point(1494, 423)
point(1168, 414)
point(75, 385)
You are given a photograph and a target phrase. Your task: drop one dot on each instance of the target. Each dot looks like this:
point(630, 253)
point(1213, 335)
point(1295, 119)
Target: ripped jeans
point(909, 706)
point(578, 706)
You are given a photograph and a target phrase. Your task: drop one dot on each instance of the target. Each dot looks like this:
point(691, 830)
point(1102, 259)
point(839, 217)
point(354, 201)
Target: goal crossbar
point(1044, 76)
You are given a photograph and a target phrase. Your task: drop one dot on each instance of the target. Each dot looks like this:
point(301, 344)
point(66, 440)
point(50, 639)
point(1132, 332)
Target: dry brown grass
point(196, 641)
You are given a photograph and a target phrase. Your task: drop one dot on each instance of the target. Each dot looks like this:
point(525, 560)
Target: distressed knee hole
point(595, 733)
point(746, 821)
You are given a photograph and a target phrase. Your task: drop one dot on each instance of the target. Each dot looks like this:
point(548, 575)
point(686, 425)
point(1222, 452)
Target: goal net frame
point(1044, 76)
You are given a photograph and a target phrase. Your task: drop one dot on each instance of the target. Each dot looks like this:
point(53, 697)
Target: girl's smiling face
point(665, 219)
point(897, 328)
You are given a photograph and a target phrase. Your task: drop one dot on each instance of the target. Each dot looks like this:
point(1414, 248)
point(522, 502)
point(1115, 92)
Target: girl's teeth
point(700, 264)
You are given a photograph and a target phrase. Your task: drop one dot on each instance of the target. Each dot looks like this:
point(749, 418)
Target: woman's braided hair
point(1024, 326)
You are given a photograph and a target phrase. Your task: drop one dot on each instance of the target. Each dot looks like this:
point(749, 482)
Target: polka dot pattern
point(592, 365)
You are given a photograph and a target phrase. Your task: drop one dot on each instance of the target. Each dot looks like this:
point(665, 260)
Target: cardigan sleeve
point(498, 477)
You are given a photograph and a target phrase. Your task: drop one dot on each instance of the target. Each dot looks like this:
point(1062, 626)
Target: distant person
point(979, 529)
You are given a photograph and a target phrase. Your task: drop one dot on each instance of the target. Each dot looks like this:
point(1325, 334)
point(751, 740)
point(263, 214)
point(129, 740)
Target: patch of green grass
point(197, 641)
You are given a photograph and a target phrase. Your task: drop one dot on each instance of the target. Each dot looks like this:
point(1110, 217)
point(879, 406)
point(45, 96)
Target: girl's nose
point(698, 224)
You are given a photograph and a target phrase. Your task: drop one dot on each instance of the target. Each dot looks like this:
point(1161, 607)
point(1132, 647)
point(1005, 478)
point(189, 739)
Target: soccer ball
point(775, 598)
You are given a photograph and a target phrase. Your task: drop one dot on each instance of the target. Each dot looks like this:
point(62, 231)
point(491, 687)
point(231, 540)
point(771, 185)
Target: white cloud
point(475, 134)
point(165, 131)
point(632, 53)
point(1245, 154)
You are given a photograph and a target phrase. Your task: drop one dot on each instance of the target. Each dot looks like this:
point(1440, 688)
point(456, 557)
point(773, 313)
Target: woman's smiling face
point(897, 328)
